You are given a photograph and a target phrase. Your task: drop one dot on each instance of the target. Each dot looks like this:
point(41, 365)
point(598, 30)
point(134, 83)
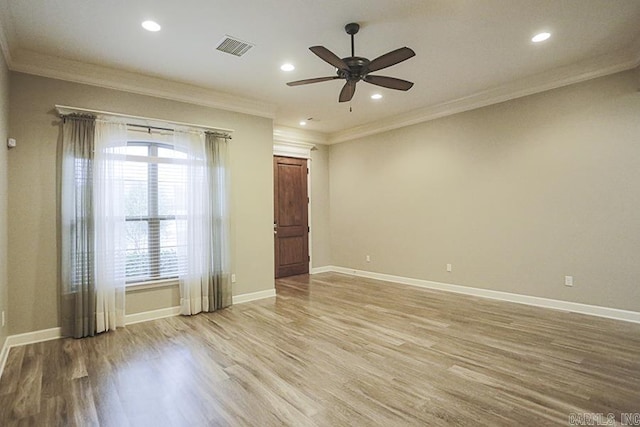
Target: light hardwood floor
point(333, 350)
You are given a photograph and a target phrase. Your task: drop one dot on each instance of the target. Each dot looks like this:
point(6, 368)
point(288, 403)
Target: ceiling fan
point(355, 68)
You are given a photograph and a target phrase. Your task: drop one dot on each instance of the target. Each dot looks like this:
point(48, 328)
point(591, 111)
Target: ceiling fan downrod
point(352, 29)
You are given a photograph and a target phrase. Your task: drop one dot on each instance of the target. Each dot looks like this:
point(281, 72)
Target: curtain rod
point(217, 134)
point(148, 127)
point(64, 110)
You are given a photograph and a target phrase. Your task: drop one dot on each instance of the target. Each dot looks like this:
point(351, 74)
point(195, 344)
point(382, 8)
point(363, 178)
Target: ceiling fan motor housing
point(357, 68)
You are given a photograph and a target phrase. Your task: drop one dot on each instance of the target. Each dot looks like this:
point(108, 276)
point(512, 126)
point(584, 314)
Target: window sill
point(152, 284)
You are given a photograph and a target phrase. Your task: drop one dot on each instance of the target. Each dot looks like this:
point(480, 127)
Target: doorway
point(291, 216)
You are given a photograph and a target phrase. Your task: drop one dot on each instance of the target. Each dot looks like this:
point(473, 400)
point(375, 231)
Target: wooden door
point(290, 227)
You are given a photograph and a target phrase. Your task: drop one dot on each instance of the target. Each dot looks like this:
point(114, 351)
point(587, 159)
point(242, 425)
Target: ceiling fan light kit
point(356, 68)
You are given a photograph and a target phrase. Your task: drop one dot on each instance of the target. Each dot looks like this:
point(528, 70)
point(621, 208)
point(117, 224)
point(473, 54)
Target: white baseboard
point(254, 296)
point(4, 354)
point(129, 319)
point(34, 337)
point(593, 310)
point(26, 338)
point(323, 269)
point(145, 316)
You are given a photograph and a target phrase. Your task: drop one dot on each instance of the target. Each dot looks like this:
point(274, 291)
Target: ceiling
point(465, 49)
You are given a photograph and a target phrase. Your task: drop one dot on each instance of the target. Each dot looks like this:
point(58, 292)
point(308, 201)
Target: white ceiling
point(463, 47)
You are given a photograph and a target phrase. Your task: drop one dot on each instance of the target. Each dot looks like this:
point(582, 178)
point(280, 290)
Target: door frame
point(299, 150)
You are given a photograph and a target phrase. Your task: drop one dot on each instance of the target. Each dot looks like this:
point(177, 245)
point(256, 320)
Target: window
point(155, 185)
point(138, 205)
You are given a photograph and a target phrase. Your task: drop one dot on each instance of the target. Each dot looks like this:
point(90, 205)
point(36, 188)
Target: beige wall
point(141, 300)
point(4, 197)
point(32, 195)
point(515, 196)
point(320, 242)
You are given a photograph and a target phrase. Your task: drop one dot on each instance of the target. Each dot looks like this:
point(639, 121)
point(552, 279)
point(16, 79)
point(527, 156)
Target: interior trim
point(154, 284)
point(145, 316)
point(4, 35)
point(285, 134)
point(325, 269)
point(592, 310)
point(26, 338)
point(64, 69)
point(289, 149)
point(254, 296)
point(4, 354)
point(601, 66)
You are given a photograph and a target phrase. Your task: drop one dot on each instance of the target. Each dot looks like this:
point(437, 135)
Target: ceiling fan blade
point(347, 91)
point(315, 80)
point(392, 58)
point(330, 57)
point(389, 82)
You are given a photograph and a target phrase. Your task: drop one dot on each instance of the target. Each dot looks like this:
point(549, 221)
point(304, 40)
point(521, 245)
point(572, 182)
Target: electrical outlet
point(568, 280)
point(233, 278)
point(368, 258)
point(2, 318)
point(449, 268)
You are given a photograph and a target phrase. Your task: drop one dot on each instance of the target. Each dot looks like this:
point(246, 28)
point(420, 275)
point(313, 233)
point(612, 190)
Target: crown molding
point(29, 62)
point(289, 135)
point(300, 150)
point(636, 49)
point(64, 69)
point(578, 72)
point(6, 53)
point(6, 33)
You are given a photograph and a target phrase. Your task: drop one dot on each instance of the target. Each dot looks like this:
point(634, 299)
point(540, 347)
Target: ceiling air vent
point(233, 46)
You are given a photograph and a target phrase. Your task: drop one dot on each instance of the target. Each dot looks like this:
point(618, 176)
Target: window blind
point(155, 185)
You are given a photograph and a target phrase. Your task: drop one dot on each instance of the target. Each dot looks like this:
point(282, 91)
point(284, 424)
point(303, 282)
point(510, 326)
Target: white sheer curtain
point(191, 230)
point(203, 235)
point(109, 217)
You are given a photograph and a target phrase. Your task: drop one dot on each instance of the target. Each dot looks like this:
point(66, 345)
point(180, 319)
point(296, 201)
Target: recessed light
point(540, 37)
point(287, 67)
point(376, 96)
point(151, 26)
point(303, 123)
